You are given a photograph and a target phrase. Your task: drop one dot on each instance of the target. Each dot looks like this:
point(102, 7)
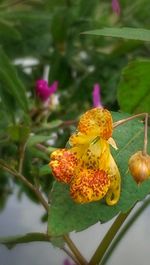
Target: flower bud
point(139, 166)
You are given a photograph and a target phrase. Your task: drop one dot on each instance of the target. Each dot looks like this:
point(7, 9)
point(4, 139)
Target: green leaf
point(12, 241)
point(55, 124)
point(37, 153)
point(135, 85)
point(65, 215)
point(18, 132)
point(35, 139)
point(125, 33)
point(44, 170)
point(11, 81)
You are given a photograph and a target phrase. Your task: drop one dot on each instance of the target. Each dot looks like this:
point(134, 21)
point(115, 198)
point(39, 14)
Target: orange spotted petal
point(96, 122)
point(89, 185)
point(62, 163)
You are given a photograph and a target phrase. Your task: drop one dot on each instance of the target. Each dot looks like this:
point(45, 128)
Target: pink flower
point(44, 91)
point(96, 94)
point(116, 6)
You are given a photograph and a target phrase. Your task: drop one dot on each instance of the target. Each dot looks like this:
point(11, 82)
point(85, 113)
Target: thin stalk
point(22, 148)
point(145, 135)
point(105, 243)
point(27, 183)
point(42, 148)
point(70, 255)
point(145, 127)
point(75, 251)
point(123, 231)
point(117, 123)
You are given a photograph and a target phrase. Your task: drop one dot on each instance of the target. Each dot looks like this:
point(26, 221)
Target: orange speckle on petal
point(89, 185)
point(62, 164)
point(97, 121)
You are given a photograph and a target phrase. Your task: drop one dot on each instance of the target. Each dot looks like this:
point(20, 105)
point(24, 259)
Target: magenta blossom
point(116, 6)
point(96, 94)
point(43, 90)
point(67, 262)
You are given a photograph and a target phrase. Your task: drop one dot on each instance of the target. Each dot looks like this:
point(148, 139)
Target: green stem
point(22, 148)
point(102, 248)
point(75, 251)
point(126, 227)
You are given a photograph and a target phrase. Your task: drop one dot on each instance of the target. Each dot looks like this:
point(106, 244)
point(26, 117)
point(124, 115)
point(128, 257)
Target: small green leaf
point(37, 153)
point(65, 215)
point(35, 139)
point(18, 132)
point(51, 149)
point(126, 33)
point(55, 123)
point(44, 170)
point(12, 241)
point(135, 85)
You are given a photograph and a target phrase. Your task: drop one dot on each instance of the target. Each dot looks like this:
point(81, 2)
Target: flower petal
point(96, 122)
point(113, 193)
point(92, 155)
point(62, 164)
point(89, 185)
point(80, 139)
point(97, 156)
point(112, 142)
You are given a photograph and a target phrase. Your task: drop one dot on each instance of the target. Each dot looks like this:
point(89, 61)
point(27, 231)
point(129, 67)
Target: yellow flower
point(88, 166)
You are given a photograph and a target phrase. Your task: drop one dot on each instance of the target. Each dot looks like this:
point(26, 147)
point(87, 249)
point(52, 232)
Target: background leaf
point(12, 83)
point(126, 33)
point(129, 138)
point(35, 139)
point(135, 85)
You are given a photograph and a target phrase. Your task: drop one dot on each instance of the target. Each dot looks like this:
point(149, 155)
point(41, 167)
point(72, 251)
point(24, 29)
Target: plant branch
point(76, 252)
point(42, 148)
point(120, 122)
point(22, 148)
point(39, 195)
point(70, 255)
point(105, 243)
point(27, 183)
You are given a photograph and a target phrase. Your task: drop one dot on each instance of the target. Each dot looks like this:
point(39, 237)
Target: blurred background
point(42, 39)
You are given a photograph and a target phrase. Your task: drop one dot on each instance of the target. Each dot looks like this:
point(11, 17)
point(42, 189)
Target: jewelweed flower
point(88, 166)
point(116, 6)
point(43, 90)
point(96, 94)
